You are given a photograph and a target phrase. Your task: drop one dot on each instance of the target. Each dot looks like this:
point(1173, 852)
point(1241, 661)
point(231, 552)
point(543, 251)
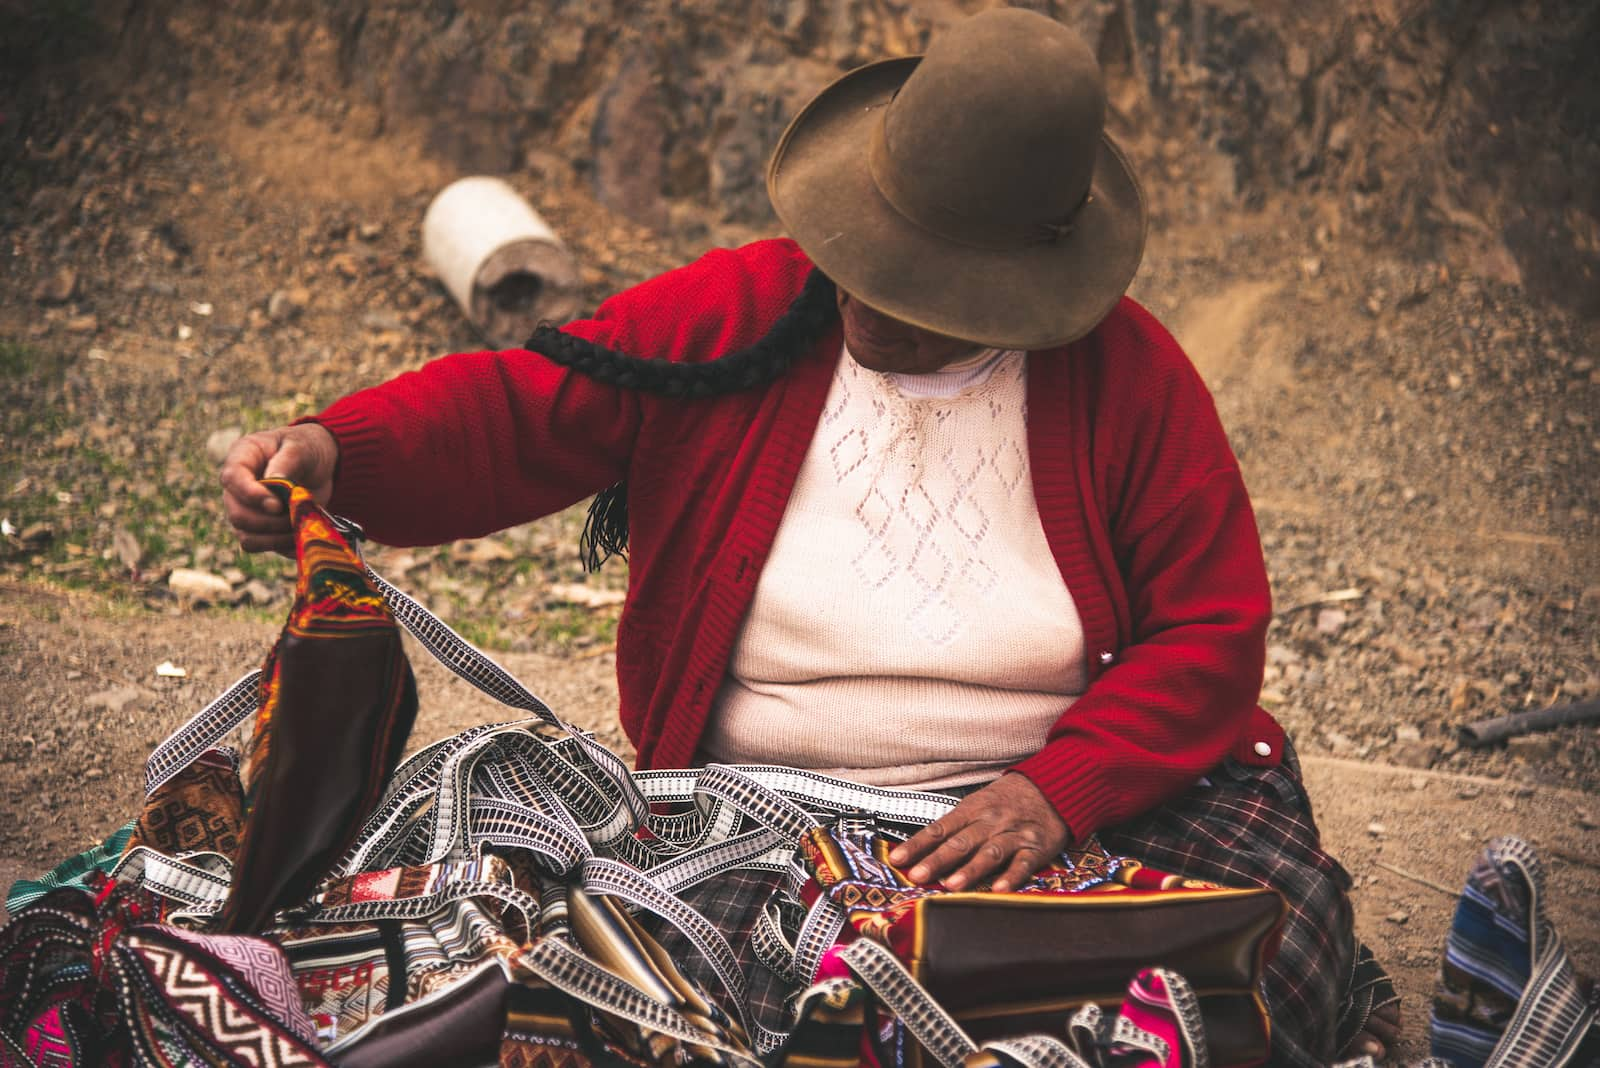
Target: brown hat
point(971, 191)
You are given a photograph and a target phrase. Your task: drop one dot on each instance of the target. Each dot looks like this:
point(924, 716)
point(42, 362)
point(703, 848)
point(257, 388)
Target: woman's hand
point(305, 453)
point(1007, 827)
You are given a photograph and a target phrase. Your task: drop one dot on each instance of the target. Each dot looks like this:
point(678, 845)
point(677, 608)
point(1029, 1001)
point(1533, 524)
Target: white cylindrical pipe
point(504, 265)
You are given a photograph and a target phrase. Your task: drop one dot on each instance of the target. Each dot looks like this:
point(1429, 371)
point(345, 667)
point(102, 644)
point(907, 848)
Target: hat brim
point(1030, 297)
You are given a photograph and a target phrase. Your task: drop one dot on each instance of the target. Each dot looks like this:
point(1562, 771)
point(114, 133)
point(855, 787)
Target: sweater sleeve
point(1173, 700)
point(476, 442)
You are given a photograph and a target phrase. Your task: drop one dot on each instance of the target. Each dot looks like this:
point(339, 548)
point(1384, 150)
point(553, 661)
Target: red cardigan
point(1140, 497)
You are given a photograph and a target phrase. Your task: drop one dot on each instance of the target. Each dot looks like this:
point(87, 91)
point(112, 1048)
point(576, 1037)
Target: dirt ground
point(1418, 433)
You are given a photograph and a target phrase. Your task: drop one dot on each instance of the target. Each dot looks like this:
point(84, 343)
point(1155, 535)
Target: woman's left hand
point(1007, 827)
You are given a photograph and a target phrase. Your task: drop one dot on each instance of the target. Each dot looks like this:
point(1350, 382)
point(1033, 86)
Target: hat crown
point(993, 138)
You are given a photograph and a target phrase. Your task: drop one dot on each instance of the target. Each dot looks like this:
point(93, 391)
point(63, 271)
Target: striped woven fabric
point(1508, 996)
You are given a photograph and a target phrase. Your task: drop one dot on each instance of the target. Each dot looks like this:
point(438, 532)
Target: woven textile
point(1507, 993)
point(86, 982)
point(76, 871)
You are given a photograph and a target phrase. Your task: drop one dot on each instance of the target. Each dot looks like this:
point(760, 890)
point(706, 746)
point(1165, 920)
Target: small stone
point(220, 441)
point(127, 548)
point(287, 304)
point(1331, 620)
point(257, 592)
point(37, 534)
point(1339, 742)
point(83, 324)
point(1534, 748)
point(95, 773)
point(1454, 381)
point(201, 308)
point(1586, 821)
point(189, 584)
point(1469, 793)
point(1376, 829)
point(1398, 918)
point(382, 319)
point(58, 288)
point(233, 576)
point(370, 231)
point(1407, 733)
point(1419, 782)
point(1415, 754)
point(117, 699)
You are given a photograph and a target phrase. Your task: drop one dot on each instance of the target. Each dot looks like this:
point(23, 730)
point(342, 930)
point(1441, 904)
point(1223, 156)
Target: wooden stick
point(1488, 731)
point(1429, 883)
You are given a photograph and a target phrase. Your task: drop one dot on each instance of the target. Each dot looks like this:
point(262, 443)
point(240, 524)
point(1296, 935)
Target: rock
point(35, 535)
point(1586, 821)
point(1415, 754)
point(257, 592)
point(1534, 748)
point(95, 773)
point(220, 441)
point(346, 265)
point(287, 304)
point(382, 319)
point(83, 324)
point(118, 699)
point(127, 548)
point(1469, 793)
point(233, 576)
point(1398, 918)
point(1331, 620)
point(1340, 743)
point(58, 288)
point(586, 596)
point(1376, 829)
point(189, 584)
point(1407, 733)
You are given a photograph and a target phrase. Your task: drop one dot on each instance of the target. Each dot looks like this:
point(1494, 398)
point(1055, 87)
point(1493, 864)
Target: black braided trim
point(797, 331)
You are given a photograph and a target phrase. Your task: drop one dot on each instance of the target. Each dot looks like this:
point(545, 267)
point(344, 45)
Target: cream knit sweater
point(910, 627)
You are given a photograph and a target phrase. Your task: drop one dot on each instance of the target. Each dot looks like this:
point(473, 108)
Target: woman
point(916, 497)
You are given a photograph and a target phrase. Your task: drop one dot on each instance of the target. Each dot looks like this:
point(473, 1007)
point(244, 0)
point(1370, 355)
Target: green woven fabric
point(74, 871)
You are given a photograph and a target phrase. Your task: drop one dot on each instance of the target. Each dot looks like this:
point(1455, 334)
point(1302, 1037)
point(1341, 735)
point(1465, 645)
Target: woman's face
point(880, 343)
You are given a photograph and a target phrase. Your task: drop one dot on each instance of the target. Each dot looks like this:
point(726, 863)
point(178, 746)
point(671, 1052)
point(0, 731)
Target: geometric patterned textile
point(263, 966)
point(850, 862)
point(199, 810)
point(84, 982)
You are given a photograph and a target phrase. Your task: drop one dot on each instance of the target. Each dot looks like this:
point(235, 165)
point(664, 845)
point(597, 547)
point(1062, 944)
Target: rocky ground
point(1417, 429)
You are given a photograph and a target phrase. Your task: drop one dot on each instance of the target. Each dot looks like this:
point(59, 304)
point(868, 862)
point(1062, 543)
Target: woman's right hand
point(305, 453)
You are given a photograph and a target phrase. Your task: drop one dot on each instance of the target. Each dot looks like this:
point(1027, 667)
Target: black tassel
point(605, 532)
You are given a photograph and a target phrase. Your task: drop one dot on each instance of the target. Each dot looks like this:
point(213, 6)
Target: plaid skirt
point(1241, 826)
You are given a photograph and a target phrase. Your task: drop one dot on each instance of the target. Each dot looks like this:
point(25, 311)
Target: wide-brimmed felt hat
point(971, 191)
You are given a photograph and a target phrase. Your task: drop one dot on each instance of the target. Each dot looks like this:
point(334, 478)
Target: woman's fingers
point(1008, 827)
point(305, 453)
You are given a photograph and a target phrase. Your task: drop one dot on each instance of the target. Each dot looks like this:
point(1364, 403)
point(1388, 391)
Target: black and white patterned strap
point(569, 971)
point(463, 658)
point(883, 974)
point(205, 730)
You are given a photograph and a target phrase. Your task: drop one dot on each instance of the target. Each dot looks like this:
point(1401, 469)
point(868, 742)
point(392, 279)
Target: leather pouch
point(1012, 964)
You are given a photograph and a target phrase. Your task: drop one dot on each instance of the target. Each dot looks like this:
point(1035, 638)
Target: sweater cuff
point(1074, 783)
point(359, 471)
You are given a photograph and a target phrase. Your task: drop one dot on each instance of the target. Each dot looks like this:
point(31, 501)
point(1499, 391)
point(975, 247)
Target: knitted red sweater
point(1139, 494)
